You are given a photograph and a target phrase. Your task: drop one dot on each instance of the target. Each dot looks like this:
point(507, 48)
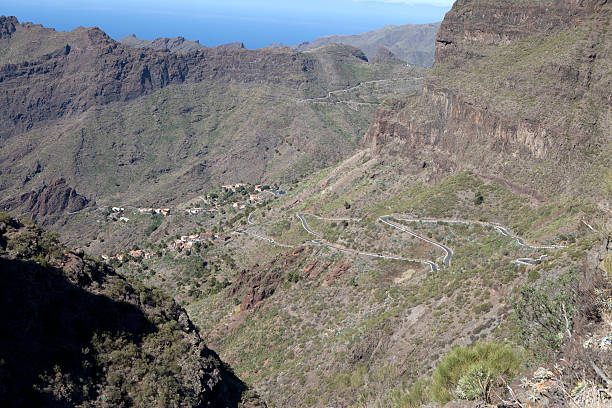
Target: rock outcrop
point(517, 87)
point(177, 44)
point(7, 26)
point(385, 56)
point(48, 202)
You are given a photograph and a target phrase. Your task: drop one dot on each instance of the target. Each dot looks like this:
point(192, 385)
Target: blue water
point(257, 23)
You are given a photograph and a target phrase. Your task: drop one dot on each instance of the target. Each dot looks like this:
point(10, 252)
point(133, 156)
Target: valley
point(343, 229)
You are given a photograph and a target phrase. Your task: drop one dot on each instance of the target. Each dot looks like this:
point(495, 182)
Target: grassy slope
point(353, 329)
point(371, 309)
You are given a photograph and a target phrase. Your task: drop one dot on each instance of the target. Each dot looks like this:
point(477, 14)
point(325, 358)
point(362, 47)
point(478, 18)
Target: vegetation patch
point(469, 372)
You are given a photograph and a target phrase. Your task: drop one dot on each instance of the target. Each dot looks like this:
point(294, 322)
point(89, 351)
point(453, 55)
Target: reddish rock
point(48, 202)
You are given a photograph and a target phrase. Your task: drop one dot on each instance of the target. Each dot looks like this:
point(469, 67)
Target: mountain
point(145, 126)
point(412, 43)
point(467, 243)
point(444, 245)
point(48, 202)
point(517, 93)
point(76, 333)
point(178, 44)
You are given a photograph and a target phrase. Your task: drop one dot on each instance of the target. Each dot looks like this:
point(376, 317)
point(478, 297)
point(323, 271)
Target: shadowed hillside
point(75, 333)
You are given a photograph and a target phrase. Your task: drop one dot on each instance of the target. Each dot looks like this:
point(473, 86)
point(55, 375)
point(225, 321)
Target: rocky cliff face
point(472, 24)
point(516, 85)
point(95, 70)
point(48, 202)
point(178, 44)
point(7, 26)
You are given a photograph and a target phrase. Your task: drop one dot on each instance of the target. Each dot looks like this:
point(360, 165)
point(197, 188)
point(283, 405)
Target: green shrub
point(476, 383)
point(463, 371)
point(606, 265)
point(545, 313)
point(5, 218)
point(416, 396)
point(156, 221)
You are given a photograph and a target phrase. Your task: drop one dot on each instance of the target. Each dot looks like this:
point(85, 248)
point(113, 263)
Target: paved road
point(530, 261)
point(522, 242)
point(386, 219)
point(499, 228)
point(306, 227)
point(259, 235)
point(249, 219)
point(321, 241)
point(449, 252)
point(326, 98)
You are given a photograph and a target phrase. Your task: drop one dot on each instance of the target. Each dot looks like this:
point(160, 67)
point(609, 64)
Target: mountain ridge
point(176, 44)
point(82, 92)
point(458, 108)
point(412, 43)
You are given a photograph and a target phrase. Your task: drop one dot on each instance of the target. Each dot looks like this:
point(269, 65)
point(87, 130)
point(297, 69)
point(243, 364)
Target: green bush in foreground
point(470, 372)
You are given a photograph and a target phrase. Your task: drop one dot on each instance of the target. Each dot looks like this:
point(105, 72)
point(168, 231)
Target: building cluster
point(188, 241)
point(163, 211)
point(197, 210)
point(136, 254)
point(232, 187)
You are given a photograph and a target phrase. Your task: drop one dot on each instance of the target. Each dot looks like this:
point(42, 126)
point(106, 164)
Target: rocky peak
point(232, 46)
point(385, 56)
point(8, 25)
point(177, 44)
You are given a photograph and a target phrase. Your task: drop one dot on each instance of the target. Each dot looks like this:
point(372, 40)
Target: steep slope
point(48, 202)
point(76, 333)
point(142, 126)
point(519, 91)
point(511, 133)
point(413, 43)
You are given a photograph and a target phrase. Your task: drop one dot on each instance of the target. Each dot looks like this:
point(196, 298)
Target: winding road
point(499, 228)
point(321, 241)
point(387, 220)
point(326, 99)
point(449, 252)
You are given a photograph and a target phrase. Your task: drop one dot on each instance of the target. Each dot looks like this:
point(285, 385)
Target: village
point(214, 202)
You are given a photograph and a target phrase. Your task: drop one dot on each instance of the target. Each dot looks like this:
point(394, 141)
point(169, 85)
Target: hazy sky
point(257, 23)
